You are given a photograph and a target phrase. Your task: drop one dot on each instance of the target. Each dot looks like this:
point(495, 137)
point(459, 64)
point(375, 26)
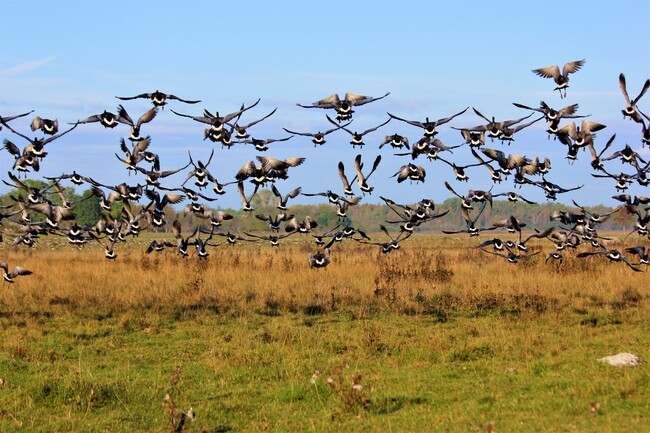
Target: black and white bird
point(415, 173)
point(506, 162)
point(472, 138)
point(561, 78)
point(6, 119)
point(241, 130)
point(470, 222)
point(459, 170)
point(362, 179)
point(513, 197)
point(613, 255)
point(551, 190)
point(319, 259)
point(301, 226)
point(465, 202)
point(146, 117)
point(627, 155)
point(554, 256)
point(495, 174)
point(318, 138)
point(642, 252)
point(334, 198)
point(428, 126)
point(645, 130)
point(182, 242)
point(158, 99)
point(347, 189)
point(262, 145)
point(507, 132)
point(356, 138)
point(273, 239)
point(392, 245)
point(274, 221)
point(245, 201)
point(510, 256)
point(582, 135)
point(343, 107)
point(109, 252)
point(15, 272)
point(217, 131)
point(493, 128)
point(552, 115)
point(106, 119)
point(36, 147)
point(396, 141)
point(630, 109)
point(282, 205)
point(46, 126)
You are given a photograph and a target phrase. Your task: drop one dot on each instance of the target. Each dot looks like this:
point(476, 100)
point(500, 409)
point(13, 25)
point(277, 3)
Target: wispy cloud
point(25, 67)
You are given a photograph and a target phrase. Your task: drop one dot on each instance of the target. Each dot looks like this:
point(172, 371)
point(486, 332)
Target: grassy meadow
point(434, 337)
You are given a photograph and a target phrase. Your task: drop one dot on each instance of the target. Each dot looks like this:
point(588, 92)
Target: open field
point(434, 337)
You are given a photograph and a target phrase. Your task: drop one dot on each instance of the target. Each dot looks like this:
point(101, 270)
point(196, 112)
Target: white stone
point(622, 360)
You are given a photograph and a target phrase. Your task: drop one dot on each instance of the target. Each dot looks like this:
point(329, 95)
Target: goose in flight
point(319, 259)
point(630, 106)
point(560, 78)
point(47, 126)
point(106, 119)
point(158, 99)
point(356, 138)
point(613, 255)
point(318, 138)
point(6, 119)
point(362, 180)
point(343, 107)
point(493, 128)
point(429, 127)
point(146, 117)
point(510, 256)
point(15, 272)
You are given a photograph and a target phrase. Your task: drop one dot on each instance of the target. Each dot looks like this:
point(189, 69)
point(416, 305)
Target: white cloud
point(25, 67)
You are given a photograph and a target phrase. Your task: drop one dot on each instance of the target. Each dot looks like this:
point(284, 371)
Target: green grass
point(524, 371)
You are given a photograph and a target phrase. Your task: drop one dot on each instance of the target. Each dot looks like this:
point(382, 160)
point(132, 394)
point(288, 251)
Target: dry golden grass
point(428, 274)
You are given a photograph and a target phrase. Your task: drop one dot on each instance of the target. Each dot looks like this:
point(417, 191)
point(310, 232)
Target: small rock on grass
point(622, 360)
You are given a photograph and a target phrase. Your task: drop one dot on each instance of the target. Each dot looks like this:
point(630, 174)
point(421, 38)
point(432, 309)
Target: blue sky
point(69, 59)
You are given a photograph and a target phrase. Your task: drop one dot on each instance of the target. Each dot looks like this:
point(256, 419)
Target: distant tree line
point(364, 216)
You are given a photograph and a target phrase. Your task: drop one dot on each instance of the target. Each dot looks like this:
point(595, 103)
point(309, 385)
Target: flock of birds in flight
point(577, 228)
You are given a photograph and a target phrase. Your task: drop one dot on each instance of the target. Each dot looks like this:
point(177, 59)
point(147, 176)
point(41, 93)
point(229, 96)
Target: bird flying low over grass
point(613, 255)
point(510, 256)
point(319, 259)
point(15, 272)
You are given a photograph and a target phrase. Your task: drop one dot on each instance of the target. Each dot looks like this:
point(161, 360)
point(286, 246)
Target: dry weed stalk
point(348, 389)
point(175, 422)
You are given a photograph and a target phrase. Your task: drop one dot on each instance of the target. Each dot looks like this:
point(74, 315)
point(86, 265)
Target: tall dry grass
point(437, 275)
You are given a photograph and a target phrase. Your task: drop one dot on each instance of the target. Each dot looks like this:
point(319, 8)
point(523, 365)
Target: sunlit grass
point(437, 336)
